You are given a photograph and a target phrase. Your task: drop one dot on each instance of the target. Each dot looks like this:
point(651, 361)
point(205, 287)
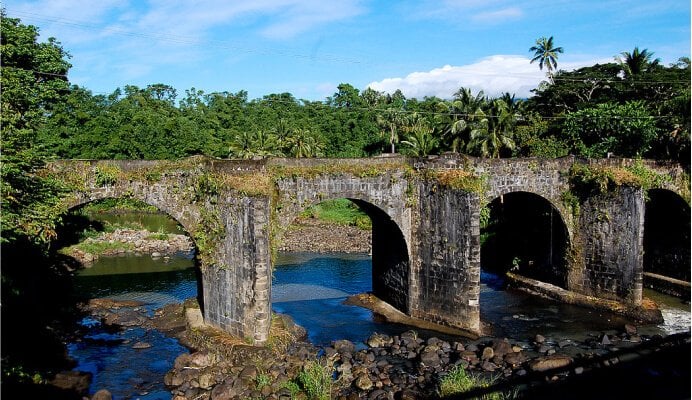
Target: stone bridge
point(426, 217)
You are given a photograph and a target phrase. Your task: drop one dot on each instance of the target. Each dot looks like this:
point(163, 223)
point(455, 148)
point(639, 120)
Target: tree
point(637, 62)
point(420, 140)
point(546, 53)
point(32, 78)
point(390, 120)
point(302, 143)
point(249, 144)
point(625, 130)
point(463, 112)
point(493, 132)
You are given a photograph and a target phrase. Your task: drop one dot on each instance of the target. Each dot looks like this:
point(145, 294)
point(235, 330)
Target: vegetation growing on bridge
point(459, 179)
point(355, 169)
point(590, 180)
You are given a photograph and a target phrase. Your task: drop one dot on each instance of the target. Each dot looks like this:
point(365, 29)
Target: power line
point(187, 40)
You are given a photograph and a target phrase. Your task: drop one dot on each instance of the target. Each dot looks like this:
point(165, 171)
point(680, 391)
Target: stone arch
point(172, 211)
point(86, 198)
point(391, 252)
point(667, 234)
point(529, 236)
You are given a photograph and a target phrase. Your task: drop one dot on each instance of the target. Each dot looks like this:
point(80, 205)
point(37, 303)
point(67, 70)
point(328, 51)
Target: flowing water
point(310, 288)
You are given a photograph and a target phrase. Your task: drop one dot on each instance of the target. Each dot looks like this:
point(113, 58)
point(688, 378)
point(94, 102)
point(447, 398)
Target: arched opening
point(524, 233)
point(336, 249)
point(126, 246)
point(390, 261)
point(667, 235)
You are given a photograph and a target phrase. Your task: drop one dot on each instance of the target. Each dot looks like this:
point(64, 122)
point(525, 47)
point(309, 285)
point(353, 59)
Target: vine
point(207, 234)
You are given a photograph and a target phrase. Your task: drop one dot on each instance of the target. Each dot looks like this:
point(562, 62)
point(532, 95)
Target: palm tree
point(304, 144)
point(420, 140)
point(493, 132)
point(391, 120)
point(636, 62)
point(545, 53)
point(462, 110)
point(249, 144)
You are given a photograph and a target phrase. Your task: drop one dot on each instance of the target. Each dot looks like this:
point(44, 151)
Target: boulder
point(102, 394)
point(550, 362)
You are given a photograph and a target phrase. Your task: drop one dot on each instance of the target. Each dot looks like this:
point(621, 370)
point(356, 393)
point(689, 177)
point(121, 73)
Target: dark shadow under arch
point(390, 259)
point(667, 235)
point(526, 234)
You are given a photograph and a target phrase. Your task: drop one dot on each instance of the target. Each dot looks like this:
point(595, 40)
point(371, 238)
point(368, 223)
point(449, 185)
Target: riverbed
point(311, 288)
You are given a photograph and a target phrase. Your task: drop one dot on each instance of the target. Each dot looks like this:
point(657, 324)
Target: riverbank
point(220, 366)
point(129, 241)
point(407, 366)
point(309, 234)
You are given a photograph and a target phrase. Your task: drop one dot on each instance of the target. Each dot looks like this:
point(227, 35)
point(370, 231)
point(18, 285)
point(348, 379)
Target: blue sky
point(308, 47)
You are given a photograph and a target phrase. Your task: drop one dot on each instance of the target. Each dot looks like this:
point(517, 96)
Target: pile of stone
point(138, 242)
point(313, 235)
point(403, 366)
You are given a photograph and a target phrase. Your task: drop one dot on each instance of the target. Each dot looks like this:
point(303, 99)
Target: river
point(310, 288)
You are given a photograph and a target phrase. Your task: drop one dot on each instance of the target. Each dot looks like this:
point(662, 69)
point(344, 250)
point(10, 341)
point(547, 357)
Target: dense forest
point(632, 107)
point(638, 110)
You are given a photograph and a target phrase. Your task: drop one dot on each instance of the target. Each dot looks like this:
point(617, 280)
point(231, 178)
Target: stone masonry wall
point(385, 198)
point(445, 283)
point(610, 246)
point(237, 293)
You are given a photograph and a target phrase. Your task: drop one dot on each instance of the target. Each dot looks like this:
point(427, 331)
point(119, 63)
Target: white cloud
point(498, 16)
point(493, 75)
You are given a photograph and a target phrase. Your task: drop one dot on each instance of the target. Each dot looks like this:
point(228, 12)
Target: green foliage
point(420, 141)
point(206, 187)
point(263, 380)
point(106, 175)
point(112, 204)
point(315, 379)
point(292, 387)
point(334, 169)
point(572, 202)
point(459, 179)
point(632, 107)
point(340, 211)
point(98, 247)
point(458, 381)
point(587, 181)
point(158, 236)
point(625, 130)
point(206, 236)
point(484, 216)
point(32, 77)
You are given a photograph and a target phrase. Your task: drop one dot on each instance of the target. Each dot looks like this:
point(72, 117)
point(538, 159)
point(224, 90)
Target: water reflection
point(310, 288)
point(510, 312)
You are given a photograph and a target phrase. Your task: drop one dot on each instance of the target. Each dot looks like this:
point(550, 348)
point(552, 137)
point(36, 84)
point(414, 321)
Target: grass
point(98, 248)
point(316, 380)
point(160, 235)
point(458, 381)
point(111, 205)
point(341, 212)
point(263, 380)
